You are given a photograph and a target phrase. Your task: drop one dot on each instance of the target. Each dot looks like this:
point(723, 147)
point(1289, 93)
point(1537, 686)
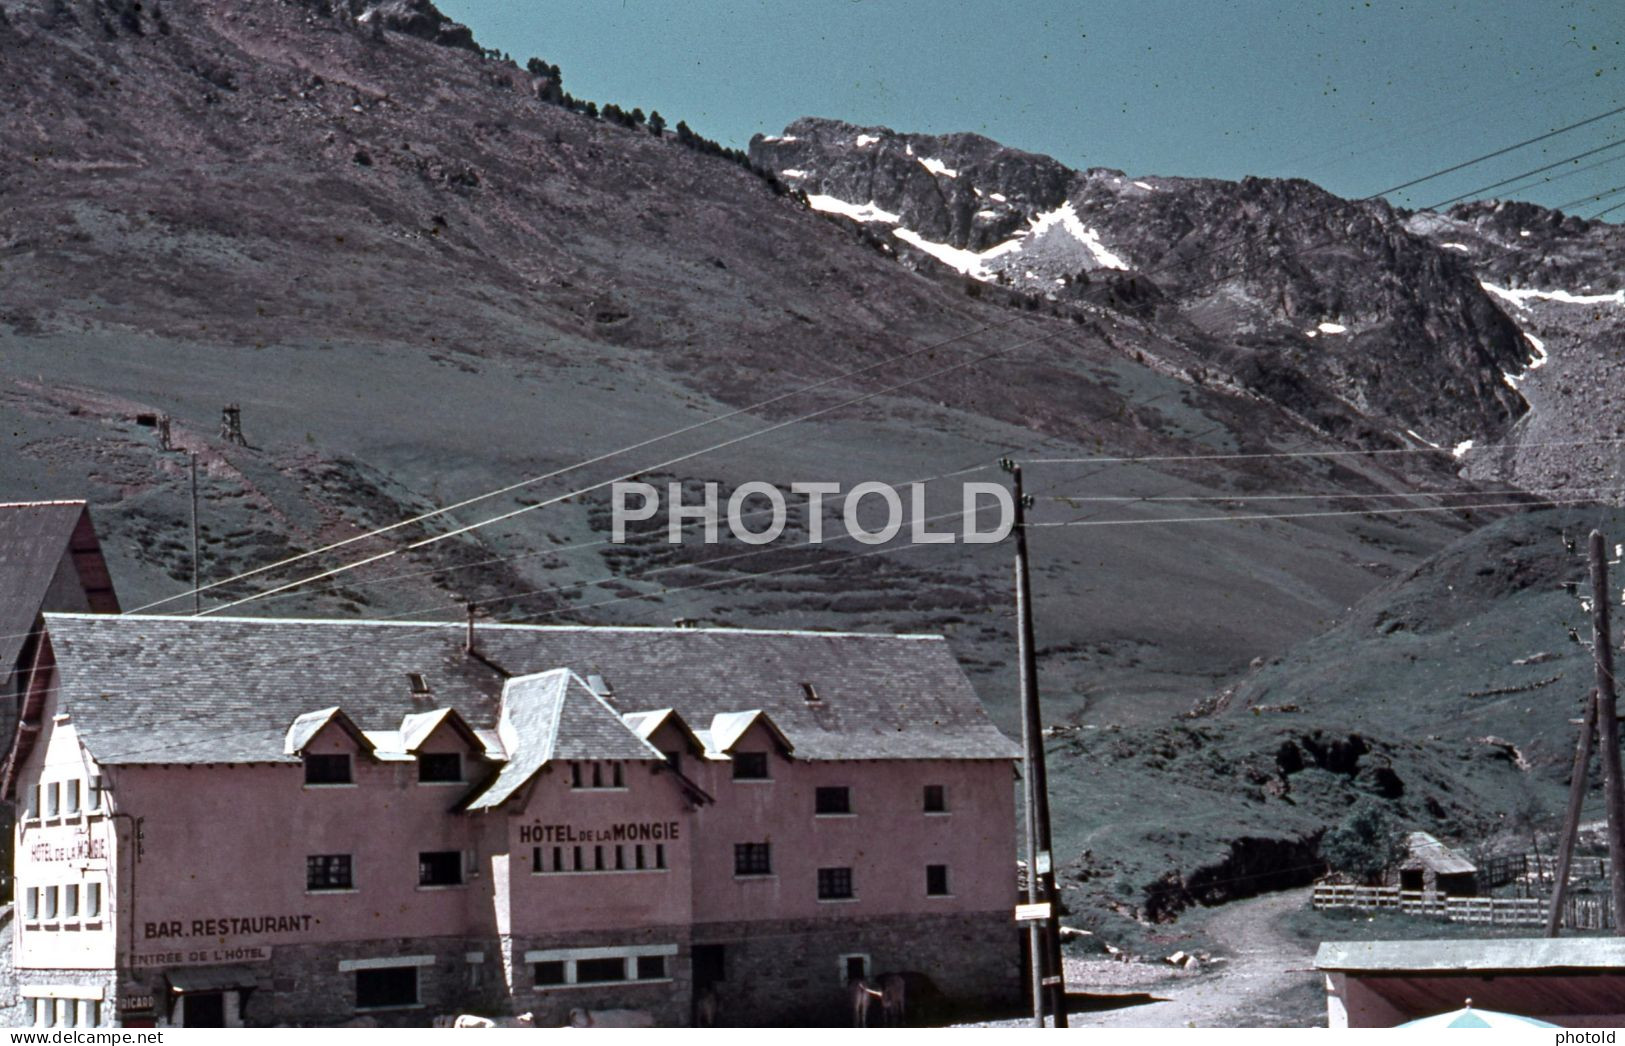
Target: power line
point(635, 473)
point(1320, 453)
point(532, 480)
point(1499, 152)
point(1319, 515)
point(1538, 170)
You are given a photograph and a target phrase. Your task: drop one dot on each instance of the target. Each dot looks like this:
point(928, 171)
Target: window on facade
point(70, 901)
point(550, 973)
point(833, 800)
point(936, 801)
point(90, 1013)
point(639, 854)
point(328, 872)
point(70, 798)
point(440, 868)
point(328, 770)
point(94, 799)
point(834, 884)
point(600, 971)
point(93, 900)
point(620, 858)
point(753, 858)
point(33, 808)
point(750, 766)
point(42, 1013)
point(385, 988)
point(575, 775)
point(440, 767)
point(597, 775)
point(31, 903)
point(857, 967)
point(660, 855)
point(598, 858)
point(651, 967)
point(936, 880)
point(50, 902)
point(53, 799)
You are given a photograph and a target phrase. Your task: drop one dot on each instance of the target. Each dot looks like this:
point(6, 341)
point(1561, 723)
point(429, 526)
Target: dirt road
point(1263, 982)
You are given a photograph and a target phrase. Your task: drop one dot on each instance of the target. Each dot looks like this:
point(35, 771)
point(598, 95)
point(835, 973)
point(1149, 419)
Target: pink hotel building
point(254, 821)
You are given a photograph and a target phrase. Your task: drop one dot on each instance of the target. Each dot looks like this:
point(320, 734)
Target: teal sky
point(1356, 95)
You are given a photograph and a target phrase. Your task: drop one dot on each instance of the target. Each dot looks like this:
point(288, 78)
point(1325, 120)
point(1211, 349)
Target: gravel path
point(1263, 964)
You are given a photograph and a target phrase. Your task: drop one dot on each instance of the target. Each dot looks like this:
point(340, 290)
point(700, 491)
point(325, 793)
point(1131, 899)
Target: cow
point(862, 998)
point(706, 1007)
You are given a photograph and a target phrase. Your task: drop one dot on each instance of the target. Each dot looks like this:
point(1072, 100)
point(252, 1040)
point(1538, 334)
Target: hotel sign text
point(626, 832)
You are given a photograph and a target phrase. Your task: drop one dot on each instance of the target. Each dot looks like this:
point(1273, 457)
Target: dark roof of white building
point(34, 536)
point(215, 690)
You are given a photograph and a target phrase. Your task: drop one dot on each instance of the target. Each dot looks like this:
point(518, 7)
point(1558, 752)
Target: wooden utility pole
point(1571, 816)
point(1608, 726)
point(1049, 979)
point(197, 592)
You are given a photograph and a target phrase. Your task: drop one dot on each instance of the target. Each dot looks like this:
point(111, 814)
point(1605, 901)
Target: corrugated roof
point(1507, 953)
point(147, 689)
point(1424, 851)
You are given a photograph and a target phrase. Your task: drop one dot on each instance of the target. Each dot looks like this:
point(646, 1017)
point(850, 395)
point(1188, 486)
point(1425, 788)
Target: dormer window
point(440, 768)
point(328, 769)
point(420, 686)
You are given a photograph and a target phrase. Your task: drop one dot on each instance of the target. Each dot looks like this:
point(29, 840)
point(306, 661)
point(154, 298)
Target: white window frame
point(93, 908)
point(629, 954)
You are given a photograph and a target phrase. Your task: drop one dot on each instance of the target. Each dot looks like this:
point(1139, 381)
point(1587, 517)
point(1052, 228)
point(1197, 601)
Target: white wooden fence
point(1579, 912)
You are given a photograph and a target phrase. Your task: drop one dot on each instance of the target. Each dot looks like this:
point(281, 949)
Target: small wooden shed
point(1433, 867)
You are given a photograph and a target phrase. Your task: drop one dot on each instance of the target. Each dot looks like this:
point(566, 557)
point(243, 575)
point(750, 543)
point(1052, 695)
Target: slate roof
point(152, 689)
point(33, 538)
point(555, 715)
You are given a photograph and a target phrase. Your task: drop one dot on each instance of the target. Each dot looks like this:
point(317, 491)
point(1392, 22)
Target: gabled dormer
point(668, 731)
point(445, 747)
point(327, 741)
point(749, 740)
point(557, 718)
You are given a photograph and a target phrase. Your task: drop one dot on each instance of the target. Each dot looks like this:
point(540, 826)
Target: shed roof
point(1424, 851)
point(152, 689)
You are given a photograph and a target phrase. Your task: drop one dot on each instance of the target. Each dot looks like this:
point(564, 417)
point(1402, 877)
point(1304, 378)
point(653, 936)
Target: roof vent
point(600, 686)
point(420, 686)
point(811, 694)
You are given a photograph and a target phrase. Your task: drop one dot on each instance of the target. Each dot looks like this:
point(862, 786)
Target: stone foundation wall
point(774, 973)
point(794, 972)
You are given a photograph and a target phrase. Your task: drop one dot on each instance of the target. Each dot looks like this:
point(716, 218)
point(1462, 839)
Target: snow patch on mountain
point(967, 262)
point(1066, 217)
point(936, 166)
point(863, 140)
point(1521, 296)
point(867, 212)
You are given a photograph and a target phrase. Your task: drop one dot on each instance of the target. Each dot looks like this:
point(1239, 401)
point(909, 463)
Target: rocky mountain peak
point(1323, 303)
